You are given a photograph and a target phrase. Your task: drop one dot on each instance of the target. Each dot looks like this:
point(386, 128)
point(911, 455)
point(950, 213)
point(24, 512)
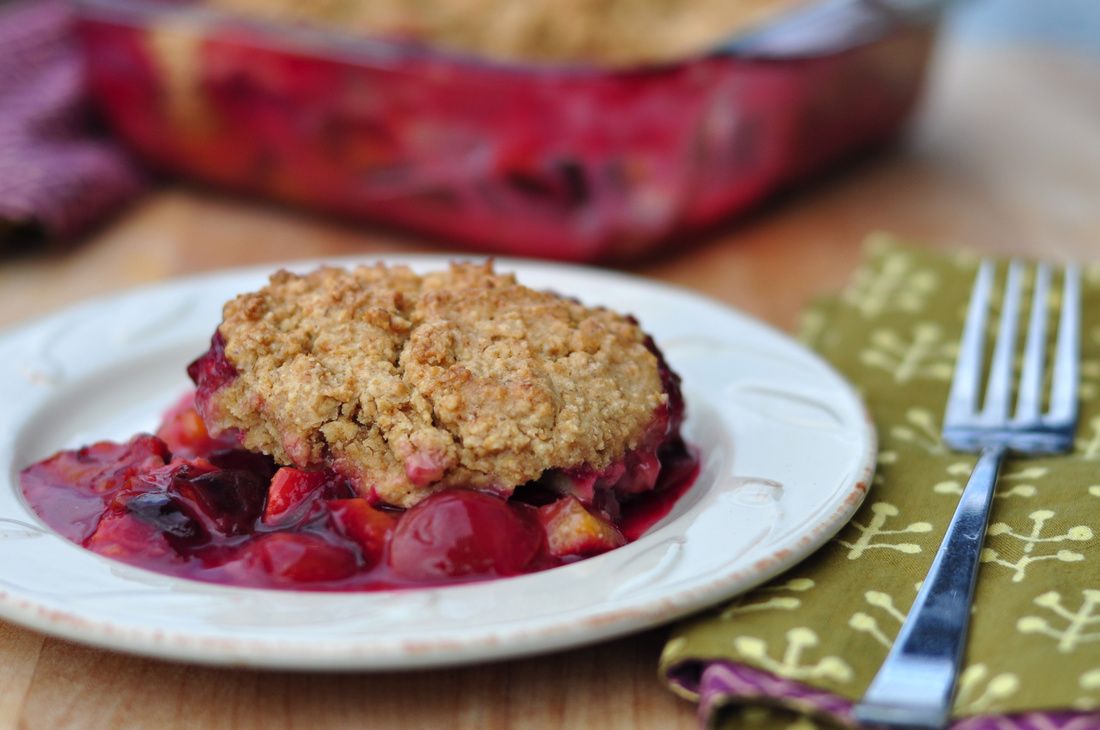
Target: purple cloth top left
point(58, 174)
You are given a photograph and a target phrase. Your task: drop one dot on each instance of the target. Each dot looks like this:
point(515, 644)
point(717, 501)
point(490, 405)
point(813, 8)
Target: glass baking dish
point(565, 162)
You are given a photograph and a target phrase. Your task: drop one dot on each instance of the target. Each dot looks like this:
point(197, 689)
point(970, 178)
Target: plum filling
point(189, 505)
point(193, 505)
point(210, 372)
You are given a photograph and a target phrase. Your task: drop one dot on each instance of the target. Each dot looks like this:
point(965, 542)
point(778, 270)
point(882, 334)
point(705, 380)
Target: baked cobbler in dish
point(609, 32)
point(375, 428)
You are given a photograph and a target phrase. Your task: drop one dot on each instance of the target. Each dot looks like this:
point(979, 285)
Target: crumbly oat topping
point(410, 384)
point(615, 32)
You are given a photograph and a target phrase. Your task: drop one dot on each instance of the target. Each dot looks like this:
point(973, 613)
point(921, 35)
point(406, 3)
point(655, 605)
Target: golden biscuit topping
point(410, 384)
point(612, 32)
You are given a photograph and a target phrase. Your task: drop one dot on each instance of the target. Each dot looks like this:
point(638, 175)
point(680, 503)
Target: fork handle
point(915, 685)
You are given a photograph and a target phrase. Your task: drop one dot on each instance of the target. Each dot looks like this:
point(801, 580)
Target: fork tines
point(966, 427)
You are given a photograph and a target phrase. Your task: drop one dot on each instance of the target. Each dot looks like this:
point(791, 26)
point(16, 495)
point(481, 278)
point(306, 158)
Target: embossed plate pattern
point(787, 454)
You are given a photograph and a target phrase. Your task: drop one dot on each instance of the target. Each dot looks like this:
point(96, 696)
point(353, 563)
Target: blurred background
point(143, 143)
point(1072, 25)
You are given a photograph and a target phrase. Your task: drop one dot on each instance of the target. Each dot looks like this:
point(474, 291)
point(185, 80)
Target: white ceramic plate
point(787, 455)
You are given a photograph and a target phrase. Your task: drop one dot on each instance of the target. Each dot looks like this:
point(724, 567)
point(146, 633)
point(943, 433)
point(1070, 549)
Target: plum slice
point(369, 528)
point(293, 557)
point(463, 533)
point(296, 495)
point(573, 531)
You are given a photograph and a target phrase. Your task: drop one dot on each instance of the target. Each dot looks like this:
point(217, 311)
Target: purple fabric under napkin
point(722, 684)
point(57, 174)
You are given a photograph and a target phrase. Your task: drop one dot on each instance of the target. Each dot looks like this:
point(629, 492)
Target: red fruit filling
point(293, 558)
point(195, 506)
point(457, 533)
point(573, 530)
point(296, 495)
point(369, 528)
point(184, 433)
point(210, 371)
point(71, 489)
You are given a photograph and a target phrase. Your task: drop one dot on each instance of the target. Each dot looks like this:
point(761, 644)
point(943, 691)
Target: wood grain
point(1004, 157)
point(75, 686)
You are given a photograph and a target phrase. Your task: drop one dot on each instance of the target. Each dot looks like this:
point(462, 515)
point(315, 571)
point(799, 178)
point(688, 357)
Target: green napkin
point(827, 623)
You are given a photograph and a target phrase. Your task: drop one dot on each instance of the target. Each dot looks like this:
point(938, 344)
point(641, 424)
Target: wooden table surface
point(1003, 157)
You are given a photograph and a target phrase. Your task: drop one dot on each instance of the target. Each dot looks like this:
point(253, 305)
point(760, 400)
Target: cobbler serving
point(376, 428)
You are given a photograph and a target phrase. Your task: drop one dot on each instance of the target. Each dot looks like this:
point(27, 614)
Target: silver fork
point(915, 685)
